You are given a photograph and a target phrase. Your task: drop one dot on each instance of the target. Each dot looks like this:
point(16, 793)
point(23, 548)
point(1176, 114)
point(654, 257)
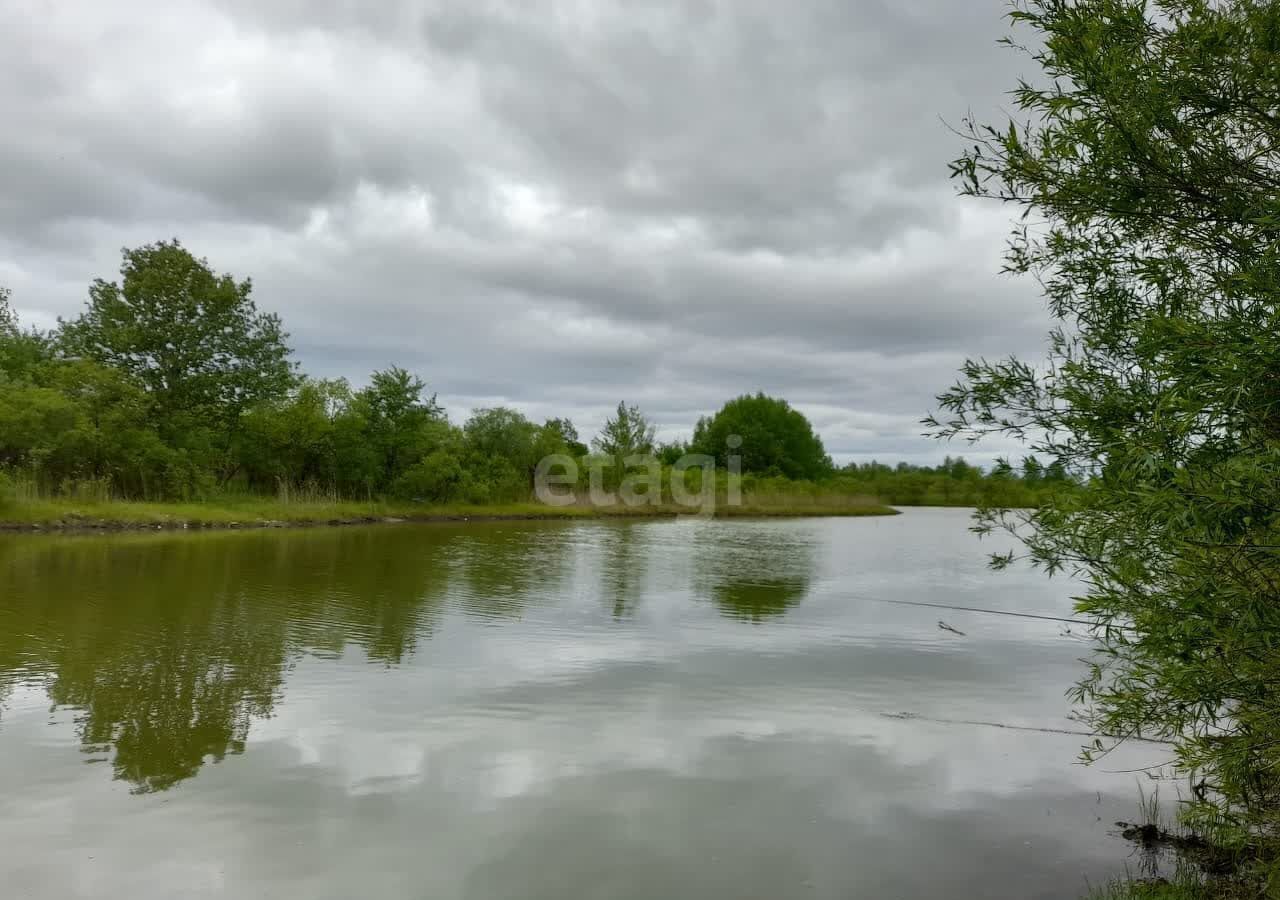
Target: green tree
point(52, 412)
point(503, 447)
point(436, 478)
point(626, 433)
point(357, 463)
point(33, 422)
point(402, 426)
point(669, 453)
point(502, 433)
point(193, 339)
point(775, 438)
point(1147, 168)
point(22, 353)
point(112, 440)
point(8, 318)
point(292, 443)
point(562, 432)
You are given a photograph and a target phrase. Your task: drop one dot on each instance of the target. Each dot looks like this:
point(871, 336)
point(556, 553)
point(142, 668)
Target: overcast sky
point(551, 205)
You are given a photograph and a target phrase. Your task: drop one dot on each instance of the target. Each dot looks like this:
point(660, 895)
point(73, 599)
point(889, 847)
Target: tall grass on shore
point(1176, 863)
point(20, 507)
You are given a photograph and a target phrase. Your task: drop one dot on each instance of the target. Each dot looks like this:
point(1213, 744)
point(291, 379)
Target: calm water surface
point(700, 709)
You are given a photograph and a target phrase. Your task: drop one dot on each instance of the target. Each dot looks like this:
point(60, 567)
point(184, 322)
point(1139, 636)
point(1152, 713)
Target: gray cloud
point(550, 205)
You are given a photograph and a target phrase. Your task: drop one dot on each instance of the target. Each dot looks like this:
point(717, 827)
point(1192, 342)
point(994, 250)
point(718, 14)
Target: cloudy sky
point(552, 205)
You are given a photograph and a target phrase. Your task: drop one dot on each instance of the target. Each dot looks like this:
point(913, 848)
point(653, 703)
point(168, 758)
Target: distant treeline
point(172, 385)
point(954, 483)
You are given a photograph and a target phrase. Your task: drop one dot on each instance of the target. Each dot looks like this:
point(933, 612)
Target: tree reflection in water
point(170, 645)
point(756, 572)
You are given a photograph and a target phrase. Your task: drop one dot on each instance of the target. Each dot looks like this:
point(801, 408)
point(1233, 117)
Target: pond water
point(645, 709)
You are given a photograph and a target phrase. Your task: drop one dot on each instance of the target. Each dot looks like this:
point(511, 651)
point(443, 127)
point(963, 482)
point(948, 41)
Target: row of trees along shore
point(172, 385)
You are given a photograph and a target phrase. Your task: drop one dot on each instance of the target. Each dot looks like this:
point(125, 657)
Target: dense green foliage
point(1148, 167)
point(626, 433)
point(567, 435)
point(954, 483)
point(767, 434)
point(8, 320)
point(172, 386)
point(192, 339)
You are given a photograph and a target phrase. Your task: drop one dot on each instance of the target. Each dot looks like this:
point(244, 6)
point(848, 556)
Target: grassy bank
point(256, 512)
point(1181, 864)
point(1248, 880)
point(1187, 887)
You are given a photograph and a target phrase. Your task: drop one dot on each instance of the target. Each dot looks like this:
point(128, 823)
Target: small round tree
point(776, 439)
